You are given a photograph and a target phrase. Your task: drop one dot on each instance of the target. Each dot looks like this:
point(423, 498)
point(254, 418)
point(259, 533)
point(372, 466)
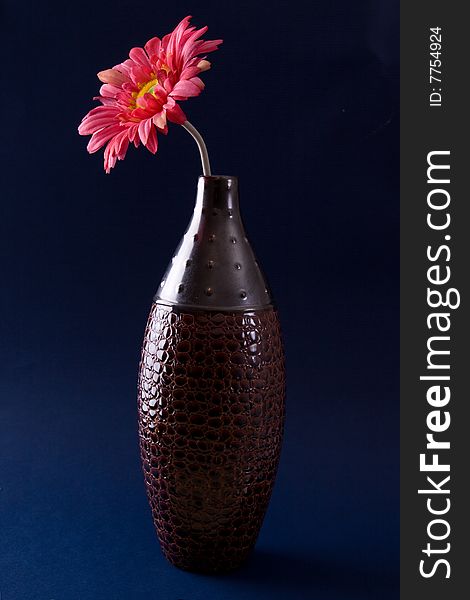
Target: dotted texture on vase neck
point(211, 414)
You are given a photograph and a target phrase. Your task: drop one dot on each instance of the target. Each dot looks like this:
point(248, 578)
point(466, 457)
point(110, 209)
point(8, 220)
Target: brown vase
point(211, 391)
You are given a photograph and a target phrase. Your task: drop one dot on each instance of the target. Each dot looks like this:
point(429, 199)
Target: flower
point(141, 94)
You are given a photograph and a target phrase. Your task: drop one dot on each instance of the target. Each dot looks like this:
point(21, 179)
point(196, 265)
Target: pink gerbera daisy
point(141, 94)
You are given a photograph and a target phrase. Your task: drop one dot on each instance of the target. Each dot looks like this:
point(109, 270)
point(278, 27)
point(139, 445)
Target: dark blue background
point(302, 105)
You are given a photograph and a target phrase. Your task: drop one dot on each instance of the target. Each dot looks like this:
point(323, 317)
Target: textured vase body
point(211, 391)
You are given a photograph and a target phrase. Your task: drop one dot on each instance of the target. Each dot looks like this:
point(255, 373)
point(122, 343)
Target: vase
point(211, 390)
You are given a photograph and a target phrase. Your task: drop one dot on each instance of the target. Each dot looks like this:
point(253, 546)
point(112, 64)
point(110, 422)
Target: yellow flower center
point(146, 88)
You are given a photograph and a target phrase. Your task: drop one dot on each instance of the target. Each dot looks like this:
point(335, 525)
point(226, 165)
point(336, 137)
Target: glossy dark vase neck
point(214, 266)
point(217, 193)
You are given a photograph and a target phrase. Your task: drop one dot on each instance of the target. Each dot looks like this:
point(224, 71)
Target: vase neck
point(217, 193)
point(214, 266)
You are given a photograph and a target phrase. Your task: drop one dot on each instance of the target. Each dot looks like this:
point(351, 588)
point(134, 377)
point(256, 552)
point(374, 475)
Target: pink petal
point(198, 81)
point(161, 76)
point(160, 94)
point(190, 47)
point(175, 36)
point(176, 115)
point(110, 110)
point(125, 66)
point(159, 120)
point(165, 41)
point(113, 76)
point(144, 130)
point(123, 145)
point(190, 72)
point(209, 46)
point(203, 65)
point(139, 56)
point(109, 161)
point(140, 73)
point(152, 141)
point(97, 118)
point(185, 89)
point(195, 35)
point(99, 138)
point(105, 101)
point(132, 132)
point(109, 91)
point(152, 47)
point(116, 150)
point(90, 126)
point(148, 106)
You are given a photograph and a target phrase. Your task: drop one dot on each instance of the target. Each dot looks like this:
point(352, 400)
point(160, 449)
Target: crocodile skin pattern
point(211, 416)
